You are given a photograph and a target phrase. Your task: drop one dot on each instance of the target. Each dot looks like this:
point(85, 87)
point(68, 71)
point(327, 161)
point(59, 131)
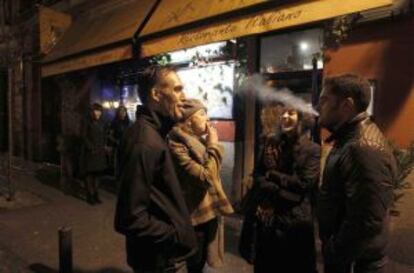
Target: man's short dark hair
point(350, 85)
point(148, 78)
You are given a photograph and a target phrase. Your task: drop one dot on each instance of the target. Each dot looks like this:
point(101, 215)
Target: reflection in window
point(130, 99)
point(292, 51)
point(212, 84)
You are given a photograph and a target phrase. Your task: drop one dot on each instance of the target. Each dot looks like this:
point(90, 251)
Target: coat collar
point(160, 123)
point(347, 129)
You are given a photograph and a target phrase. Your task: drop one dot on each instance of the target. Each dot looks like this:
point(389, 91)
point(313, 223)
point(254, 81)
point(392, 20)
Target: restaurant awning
point(98, 38)
point(174, 27)
point(172, 14)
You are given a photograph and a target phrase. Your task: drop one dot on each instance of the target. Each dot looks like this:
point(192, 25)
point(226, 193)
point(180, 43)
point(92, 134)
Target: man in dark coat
point(356, 191)
point(151, 210)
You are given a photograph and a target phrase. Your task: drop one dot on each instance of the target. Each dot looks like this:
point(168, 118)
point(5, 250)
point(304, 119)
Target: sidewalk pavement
point(29, 231)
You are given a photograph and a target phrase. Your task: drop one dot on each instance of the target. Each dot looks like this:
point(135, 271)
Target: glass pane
point(130, 99)
point(291, 52)
point(213, 85)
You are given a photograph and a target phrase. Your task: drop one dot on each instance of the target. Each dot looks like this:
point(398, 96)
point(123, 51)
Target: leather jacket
point(356, 192)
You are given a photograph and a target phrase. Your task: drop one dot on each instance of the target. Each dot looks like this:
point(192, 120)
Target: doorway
point(51, 122)
point(4, 121)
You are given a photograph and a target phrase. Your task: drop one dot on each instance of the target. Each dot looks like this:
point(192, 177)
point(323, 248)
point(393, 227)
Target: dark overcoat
point(93, 155)
point(287, 242)
point(151, 210)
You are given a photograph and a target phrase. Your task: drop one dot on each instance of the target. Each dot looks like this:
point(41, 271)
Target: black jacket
point(288, 187)
point(93, 155)
point(151, 210)
point(117, 129)
point(293, 181)
point(356, 193)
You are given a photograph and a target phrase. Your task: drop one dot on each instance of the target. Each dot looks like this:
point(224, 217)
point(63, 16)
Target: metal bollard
point(65, 250)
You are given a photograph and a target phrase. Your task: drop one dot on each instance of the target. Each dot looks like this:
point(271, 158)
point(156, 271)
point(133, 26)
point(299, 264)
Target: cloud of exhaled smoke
point(265, 93)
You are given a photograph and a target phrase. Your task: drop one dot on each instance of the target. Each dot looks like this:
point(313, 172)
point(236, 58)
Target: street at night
point(191, 136)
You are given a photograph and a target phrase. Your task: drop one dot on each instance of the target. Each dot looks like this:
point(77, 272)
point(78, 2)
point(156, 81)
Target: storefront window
point(291, 52)
point(210, 73)
point(113, 96)
point(212, 84)
point(130, 99)
point(204, 52)
point(292, 63)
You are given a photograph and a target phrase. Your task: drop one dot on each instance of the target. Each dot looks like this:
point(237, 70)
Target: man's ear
point(350, 103)
point(155, 94)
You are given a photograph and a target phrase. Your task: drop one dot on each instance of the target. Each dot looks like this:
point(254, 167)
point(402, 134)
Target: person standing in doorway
point(93, 161)
point(151, 212)
point(198, 156)
point(357, 187)
point(118, 127)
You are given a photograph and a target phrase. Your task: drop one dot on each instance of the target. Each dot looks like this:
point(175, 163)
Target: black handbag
point(248, 239)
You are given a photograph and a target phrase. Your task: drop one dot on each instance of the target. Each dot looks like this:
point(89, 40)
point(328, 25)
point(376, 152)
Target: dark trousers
point(176, 268)
point(285, 251)
point(205, 234)
point(359, 266)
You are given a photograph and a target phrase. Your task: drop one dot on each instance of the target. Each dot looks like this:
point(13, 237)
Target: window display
point(293, 51)
point(213, 84)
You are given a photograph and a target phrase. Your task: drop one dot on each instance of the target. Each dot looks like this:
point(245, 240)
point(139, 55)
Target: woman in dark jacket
point(94, 161)
point(280, 217)
point(119, 125)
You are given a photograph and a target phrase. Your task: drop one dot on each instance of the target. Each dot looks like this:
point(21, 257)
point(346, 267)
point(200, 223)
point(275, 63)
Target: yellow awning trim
point(278, 18)
point(98, 58)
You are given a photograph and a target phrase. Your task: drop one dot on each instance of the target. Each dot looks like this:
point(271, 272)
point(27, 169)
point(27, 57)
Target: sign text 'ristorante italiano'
point(277, 18)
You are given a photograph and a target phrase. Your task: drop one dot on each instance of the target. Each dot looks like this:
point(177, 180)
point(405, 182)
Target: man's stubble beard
point(329, 125)
point(173, 112)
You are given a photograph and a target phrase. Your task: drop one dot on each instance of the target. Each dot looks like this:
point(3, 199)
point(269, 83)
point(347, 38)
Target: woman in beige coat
point(198, 157)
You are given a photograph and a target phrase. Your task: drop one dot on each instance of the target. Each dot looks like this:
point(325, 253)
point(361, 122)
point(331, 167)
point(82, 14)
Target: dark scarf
point(161, 123)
